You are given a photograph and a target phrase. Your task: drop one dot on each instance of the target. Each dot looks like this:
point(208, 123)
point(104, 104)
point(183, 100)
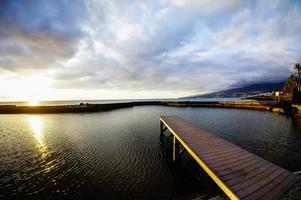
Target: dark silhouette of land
point(245, 91)
point(82, 108)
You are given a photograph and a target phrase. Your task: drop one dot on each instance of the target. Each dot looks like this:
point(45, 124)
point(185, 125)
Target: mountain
point(246, 91)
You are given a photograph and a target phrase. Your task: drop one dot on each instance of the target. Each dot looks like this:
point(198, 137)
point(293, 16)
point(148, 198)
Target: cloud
point(153, 48)
point(36, 35)
point(204, 6)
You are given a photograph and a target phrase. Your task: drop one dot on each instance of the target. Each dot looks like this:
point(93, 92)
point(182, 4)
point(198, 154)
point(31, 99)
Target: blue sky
point(52, 50)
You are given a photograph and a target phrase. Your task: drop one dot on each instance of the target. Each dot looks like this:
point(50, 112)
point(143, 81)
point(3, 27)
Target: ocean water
point(119, 155)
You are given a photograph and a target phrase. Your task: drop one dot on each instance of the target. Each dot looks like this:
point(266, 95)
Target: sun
point(33, 102)
point(32, 89)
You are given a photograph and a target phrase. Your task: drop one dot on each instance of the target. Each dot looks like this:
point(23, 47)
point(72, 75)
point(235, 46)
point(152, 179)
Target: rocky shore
point(297, 108)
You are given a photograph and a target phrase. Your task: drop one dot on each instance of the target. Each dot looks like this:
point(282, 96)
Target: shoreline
point(86, 108)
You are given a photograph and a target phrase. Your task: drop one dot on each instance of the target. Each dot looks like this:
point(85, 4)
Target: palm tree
point(297, 67)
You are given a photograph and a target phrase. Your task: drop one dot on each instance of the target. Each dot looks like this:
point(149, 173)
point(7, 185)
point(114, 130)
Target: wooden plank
point(224, 171)
point(230, 169)
point(273, 193)
point(216, 153)
point(240, 174)
point(223, 155)
point(257, 181)
point(250, 171)
point(209, 147)
point(228, 162)
point(276, 175)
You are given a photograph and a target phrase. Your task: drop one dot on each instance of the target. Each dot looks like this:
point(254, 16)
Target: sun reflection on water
point(37, 125)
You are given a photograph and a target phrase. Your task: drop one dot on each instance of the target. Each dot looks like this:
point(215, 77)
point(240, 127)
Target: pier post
point(161, 128)
point(175, 149)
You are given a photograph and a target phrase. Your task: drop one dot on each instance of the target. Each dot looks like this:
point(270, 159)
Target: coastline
point(86, 108)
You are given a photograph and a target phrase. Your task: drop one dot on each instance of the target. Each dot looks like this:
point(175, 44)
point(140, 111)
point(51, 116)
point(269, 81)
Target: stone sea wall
point(254, 105)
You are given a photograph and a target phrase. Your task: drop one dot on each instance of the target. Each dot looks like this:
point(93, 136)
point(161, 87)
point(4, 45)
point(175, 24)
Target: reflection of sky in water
point(37, 125)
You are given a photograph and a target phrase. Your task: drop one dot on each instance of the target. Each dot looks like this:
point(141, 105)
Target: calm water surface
point(118, 154)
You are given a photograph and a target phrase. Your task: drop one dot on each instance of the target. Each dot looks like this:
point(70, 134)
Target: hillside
point(246, 91)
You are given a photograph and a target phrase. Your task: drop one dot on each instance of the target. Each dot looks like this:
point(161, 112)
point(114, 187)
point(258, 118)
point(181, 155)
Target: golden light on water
point(37, 125)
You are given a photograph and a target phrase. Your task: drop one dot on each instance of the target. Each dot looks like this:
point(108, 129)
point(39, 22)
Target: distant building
point(278, 94)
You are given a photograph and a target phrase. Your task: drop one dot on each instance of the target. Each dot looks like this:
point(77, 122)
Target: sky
point(114, 49)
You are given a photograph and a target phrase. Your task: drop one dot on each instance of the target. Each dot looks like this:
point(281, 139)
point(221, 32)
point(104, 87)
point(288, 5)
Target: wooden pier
point(239, 173)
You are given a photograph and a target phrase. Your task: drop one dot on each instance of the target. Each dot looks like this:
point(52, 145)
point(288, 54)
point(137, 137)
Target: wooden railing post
point(175, 149)
point(161, 128)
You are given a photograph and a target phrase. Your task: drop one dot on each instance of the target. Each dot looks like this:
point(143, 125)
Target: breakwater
point(252, 105)
point(81, 108)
